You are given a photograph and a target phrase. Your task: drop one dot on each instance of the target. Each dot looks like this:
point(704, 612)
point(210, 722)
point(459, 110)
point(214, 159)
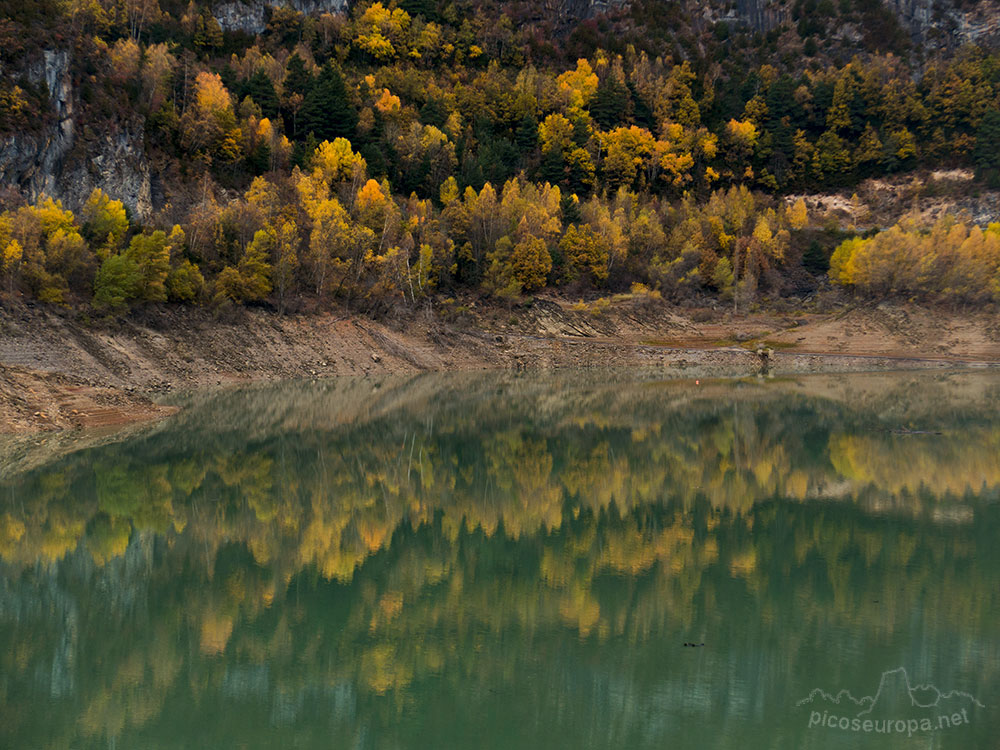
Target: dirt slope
point(58, 372)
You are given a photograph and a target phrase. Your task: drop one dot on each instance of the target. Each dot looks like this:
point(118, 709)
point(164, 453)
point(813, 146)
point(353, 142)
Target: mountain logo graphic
point(894, 681)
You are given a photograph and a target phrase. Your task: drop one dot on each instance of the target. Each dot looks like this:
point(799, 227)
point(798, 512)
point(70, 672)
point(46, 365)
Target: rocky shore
point(59, 372)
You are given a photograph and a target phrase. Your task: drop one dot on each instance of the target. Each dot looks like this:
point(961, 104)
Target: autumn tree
point(250, 279)
point(54, 258)
point(115, 283)
point(518, 266)
point(150, 255)
point(105, 222)
point(209, 125)
point(586, 253)
point(286, 262)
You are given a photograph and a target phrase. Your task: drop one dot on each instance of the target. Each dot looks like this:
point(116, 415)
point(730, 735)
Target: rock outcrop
point(250, 16)
point(54, 161)
point(116, 163)
point(942, 24)
point(762, 15)
point(31, 161)
point(932, 24)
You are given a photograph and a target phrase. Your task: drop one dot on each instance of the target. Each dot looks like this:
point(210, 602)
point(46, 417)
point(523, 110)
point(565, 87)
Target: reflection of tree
point(330, 498)
point(433, 607)
point(387, 553)
point(897, 463)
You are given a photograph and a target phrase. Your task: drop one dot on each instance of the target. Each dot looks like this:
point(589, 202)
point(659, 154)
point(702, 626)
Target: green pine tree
point(259, 88)
point(987, 153)
point(611, 102)
point(327, 111)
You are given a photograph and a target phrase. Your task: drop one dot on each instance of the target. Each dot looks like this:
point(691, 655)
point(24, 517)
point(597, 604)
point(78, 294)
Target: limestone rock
point(250, 16)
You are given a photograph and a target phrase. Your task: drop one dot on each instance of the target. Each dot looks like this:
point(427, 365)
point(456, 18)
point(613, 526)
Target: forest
point(398, 153)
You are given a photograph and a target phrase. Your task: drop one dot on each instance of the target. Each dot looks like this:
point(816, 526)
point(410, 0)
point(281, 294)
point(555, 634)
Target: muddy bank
point(58, 372)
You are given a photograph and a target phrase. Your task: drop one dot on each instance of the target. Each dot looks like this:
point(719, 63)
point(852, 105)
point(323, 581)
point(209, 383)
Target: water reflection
point(502, 561)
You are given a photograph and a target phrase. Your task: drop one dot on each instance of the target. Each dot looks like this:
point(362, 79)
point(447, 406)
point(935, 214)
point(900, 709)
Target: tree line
point(398, 151)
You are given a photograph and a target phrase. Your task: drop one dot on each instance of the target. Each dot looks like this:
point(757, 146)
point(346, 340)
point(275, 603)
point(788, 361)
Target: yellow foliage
point(12, 255)
point(743, 133)
point(265, 131)
point(578, 85)
point(798, 215)
point(337, 162)
point(381, 32)
point(105, 220)
point(531, 262)
point(948, 261)
point(125, 56)
point(449, 191)
point(370, 197)
point(211, 95)
point(53, 217)
point(387, 102)
point(556, 133)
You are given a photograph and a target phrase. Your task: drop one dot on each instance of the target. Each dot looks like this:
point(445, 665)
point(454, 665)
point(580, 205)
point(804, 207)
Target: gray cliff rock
point(935, 24)
point(31, 161)
point(52, 160)
point(762, 15)
point(116, 163)
point(932, 24)
point(250, 16)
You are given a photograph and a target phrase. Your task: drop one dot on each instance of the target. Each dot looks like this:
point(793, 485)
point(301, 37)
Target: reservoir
point(575, 559)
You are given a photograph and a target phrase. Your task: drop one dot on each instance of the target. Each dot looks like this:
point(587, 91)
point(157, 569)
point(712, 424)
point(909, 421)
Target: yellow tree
point(338, 162)
point(586, 252)
point(338, 247)
point(286, 262)
point(530, 262)
point(104, 222)
point(209, 125)
point(53, 253)
point(798, 215)
point(10, 262)
point(555, 134)
point(578, 86)
point(740, 139)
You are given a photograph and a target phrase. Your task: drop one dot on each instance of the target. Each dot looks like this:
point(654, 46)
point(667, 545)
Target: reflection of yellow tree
point(660, 502)
point(521, 468)
point(898, 463)
point(428, 609)
point(344, 503)
point(135, 693)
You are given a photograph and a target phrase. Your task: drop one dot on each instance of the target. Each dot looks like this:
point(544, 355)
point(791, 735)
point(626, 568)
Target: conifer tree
point(987, 154)
point(327, 111)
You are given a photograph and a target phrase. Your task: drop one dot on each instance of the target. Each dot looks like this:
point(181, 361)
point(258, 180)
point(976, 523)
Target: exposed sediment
point(59, 372)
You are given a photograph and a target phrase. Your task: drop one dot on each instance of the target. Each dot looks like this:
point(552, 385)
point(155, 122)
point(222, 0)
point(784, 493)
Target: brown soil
point(57, 372)
point(33, 400)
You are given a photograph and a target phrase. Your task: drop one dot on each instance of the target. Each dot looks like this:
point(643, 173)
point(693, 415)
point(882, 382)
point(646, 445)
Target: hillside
point(456, 160)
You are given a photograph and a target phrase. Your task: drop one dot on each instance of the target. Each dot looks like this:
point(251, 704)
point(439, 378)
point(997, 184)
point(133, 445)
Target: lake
point(598, 559)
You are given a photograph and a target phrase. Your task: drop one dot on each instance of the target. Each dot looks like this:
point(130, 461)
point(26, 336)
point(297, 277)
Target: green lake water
point(505, 561)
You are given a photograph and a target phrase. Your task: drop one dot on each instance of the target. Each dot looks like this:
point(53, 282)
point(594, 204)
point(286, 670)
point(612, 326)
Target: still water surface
point(502, 561)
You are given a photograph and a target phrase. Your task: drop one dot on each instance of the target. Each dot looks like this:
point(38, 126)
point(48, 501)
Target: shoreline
point(58, 373)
